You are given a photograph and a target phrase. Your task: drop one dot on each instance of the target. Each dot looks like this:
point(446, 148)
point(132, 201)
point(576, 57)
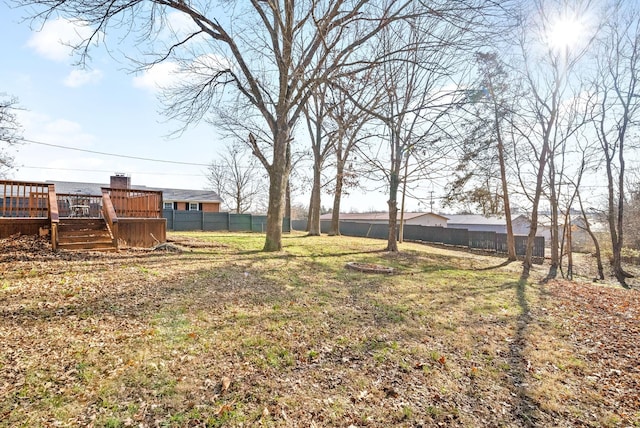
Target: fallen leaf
point(226, 382)
point(225, 408)
point(391, 393)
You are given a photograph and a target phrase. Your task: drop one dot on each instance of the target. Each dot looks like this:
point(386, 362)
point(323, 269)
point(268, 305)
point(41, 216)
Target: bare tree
point(348, 135)
point(316, 113)
point(414, 95)
point(484, 151)
point(10, 131)
point(594, 239)
point(237, 180)
point(546, 68)
point(632, 208)
point(615, 112)
point(270, 54)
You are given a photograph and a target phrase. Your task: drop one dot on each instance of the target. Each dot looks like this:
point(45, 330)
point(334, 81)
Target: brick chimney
point(120, 181)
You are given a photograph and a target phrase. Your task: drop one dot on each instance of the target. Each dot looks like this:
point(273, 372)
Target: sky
point(104, 108)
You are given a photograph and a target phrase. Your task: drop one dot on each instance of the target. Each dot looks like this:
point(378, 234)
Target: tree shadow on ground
point(498, 266)
point(526, 410)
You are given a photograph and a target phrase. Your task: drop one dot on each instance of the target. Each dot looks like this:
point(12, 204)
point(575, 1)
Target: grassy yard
point(222, 334)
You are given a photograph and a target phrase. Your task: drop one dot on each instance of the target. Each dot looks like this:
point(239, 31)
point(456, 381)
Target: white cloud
point(41, 127)
point(177, 26)
point(159, 76)
point(34, 161)
point(62, 126)
point(55, 39)
point(78, 78)
point(170, 74)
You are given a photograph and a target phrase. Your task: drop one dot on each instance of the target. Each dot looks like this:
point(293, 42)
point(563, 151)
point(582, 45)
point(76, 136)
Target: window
point(168, 205)
point(193, 206)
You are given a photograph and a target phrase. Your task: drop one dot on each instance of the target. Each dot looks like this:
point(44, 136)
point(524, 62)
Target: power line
point(110, 171)
point(113, 154)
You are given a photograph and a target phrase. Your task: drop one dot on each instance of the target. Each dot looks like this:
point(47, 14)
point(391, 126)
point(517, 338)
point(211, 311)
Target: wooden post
point(53, 216)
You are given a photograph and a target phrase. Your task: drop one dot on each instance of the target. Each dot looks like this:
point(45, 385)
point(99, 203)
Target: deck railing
point(136, 203)
point(53, 216)
point(76, 205)
point(24, 199)
point(110, 217)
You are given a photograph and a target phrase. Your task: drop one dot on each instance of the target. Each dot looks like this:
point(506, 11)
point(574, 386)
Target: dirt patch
point(369, 268)
point(189, 242)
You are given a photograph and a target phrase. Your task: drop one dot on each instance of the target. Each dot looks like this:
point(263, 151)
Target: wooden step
point(94, 246)
point(81, 224)
point(66, 239)
point(85, 234)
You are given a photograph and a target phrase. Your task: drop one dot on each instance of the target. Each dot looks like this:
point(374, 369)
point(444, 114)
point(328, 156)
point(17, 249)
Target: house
point(480, 223)
point(471, 222)
point(172, 199)
point(581, 240)
point(420, 219)
point(191, 200)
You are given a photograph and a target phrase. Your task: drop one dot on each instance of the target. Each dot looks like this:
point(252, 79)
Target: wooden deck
point(118, 217)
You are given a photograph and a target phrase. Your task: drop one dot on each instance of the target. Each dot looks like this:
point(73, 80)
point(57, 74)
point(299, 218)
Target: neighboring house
point(191, 200)
point(579, 236)
point(471, 222)
point(421, 219)
point(173, 199)
point(480, 223)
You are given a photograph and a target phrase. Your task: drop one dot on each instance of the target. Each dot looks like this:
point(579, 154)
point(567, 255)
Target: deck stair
point(85, 234)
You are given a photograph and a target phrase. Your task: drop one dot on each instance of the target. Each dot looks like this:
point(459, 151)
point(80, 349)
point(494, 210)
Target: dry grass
point(225, 335)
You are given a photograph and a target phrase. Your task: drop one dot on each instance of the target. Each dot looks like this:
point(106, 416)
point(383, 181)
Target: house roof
point(189, 195)
point(378, 216)
point(476, 219)
point(173, 195)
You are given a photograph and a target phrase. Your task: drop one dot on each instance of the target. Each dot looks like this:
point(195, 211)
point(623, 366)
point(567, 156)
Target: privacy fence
point(201, 220)
point(488, 241)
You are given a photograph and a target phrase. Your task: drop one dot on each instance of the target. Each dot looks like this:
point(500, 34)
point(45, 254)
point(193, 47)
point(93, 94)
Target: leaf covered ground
point(222, 334)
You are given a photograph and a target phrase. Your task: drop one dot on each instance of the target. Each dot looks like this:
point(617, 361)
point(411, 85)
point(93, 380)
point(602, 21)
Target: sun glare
point(566, 33)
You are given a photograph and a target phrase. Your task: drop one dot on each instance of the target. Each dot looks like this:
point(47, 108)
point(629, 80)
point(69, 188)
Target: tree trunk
point(555, 226)
point(620, 274)
point(569, 247)
point(287, 207)
point(404, 192)
point(596, 244)
point(511, 240)
point(614, 219)
point(392, 242)
point(314, 205)
point(278, 181)
point(337, 197)
point(309, 216)
point(528, 256)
